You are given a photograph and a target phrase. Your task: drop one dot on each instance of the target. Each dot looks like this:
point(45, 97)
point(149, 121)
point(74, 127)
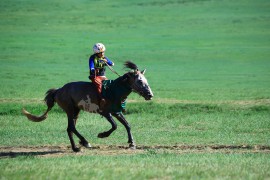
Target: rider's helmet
point(98, 48)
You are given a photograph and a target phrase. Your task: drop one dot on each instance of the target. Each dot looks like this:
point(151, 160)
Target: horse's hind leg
point(72, 119)
point(70, 135)
point(114, 126)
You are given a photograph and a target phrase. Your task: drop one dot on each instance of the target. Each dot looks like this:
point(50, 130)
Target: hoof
point(132, 146)
point(85, 144)
point(76, 149)
point(88, 145)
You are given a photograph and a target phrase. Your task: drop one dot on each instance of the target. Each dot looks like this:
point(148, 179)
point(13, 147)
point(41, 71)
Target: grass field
point(207, 63)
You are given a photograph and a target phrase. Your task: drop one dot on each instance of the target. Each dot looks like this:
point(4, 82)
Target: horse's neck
point(122, 86)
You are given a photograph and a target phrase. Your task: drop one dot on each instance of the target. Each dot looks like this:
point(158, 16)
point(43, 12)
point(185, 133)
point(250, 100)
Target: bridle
point(133, 85)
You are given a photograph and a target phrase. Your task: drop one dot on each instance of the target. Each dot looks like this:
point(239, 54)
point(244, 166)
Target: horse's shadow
point(25, 154)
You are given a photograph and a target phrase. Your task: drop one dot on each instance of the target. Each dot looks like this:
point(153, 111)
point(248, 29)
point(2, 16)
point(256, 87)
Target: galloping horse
point(76, 96)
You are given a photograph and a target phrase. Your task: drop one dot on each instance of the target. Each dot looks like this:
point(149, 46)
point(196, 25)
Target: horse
point(76, 96)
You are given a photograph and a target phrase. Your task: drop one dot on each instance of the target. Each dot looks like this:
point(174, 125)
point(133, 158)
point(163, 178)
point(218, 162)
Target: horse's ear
point(143, 71)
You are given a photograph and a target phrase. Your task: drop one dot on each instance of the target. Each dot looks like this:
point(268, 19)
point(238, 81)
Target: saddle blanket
point(113, 92)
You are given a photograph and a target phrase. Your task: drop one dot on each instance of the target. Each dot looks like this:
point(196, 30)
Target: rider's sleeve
point(91, 64)
point(110, 63)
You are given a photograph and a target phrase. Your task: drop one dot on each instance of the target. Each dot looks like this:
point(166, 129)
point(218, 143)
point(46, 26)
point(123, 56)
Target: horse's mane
point(130, 65)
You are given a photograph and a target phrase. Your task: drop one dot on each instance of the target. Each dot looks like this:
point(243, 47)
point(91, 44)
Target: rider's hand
point(91, 77)
point(103, 60)
point(92, 74)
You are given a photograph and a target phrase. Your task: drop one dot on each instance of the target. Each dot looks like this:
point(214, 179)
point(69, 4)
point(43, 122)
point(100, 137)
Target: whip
point(111, 68)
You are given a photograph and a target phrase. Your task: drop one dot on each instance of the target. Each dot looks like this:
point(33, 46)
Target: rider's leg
point(98, 82)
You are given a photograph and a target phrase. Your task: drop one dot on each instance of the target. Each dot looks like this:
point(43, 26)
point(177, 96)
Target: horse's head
point(138, 82)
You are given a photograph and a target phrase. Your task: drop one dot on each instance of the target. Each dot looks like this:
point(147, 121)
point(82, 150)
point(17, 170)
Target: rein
point(111, 68)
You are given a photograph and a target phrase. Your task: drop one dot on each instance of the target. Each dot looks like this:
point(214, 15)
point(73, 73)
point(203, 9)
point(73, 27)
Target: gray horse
point(76, 96)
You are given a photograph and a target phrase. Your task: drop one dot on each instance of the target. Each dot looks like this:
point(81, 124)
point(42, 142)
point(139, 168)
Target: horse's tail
point(50, 101)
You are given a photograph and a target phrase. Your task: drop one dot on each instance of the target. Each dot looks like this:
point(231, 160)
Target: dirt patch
point(59, 151)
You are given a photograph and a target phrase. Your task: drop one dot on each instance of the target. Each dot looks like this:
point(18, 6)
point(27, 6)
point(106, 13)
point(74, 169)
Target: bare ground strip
point(102, 150)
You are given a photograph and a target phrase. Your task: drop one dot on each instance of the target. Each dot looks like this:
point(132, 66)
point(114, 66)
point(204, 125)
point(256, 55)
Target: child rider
point(97, 63)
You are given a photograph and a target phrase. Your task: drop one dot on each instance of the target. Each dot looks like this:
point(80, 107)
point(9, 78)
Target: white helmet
point(98, 48)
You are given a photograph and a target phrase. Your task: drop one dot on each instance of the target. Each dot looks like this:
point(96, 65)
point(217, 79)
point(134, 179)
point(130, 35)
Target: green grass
point(195, 47)
point(152, 124)
point(207, 63)
point(143, 166)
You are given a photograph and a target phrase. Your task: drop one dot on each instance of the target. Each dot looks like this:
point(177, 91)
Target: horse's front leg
point(114, 126)
point(122, 119)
